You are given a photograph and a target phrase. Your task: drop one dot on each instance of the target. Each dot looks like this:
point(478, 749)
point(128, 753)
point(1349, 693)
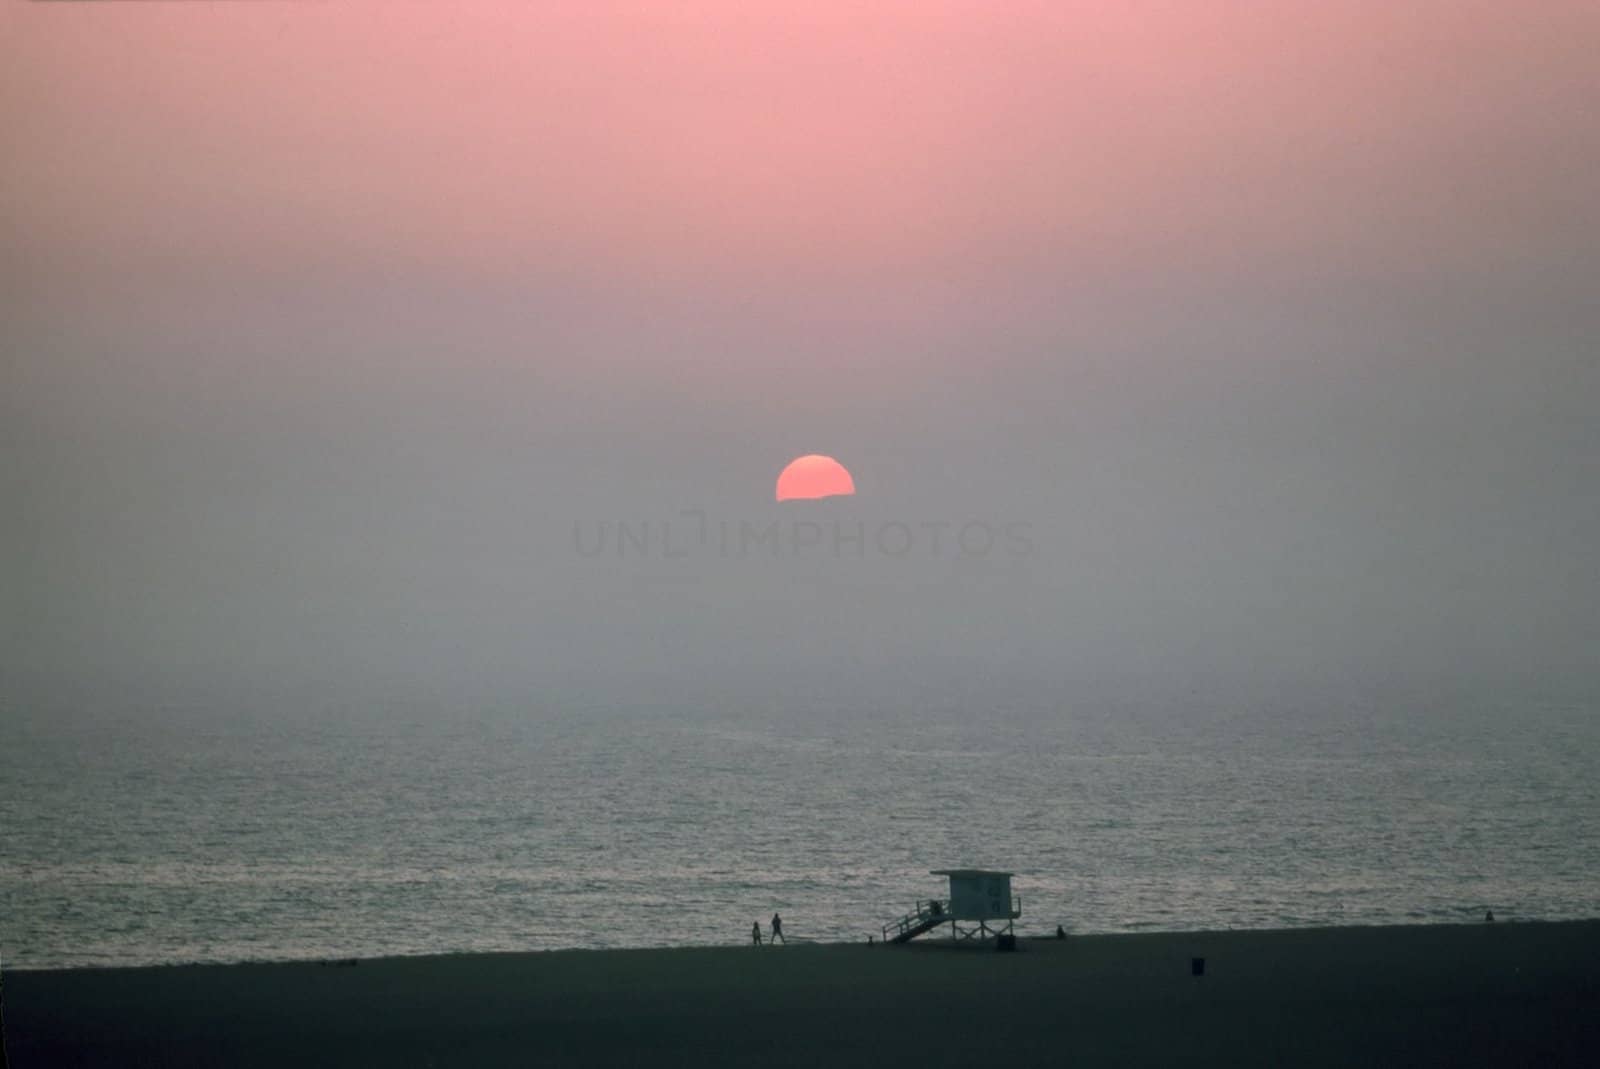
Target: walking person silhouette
point(777, 930)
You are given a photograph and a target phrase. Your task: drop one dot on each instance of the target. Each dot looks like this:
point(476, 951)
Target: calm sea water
point(192, 837)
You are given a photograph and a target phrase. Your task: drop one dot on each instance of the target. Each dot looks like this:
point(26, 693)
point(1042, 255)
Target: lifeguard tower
point(980, 905)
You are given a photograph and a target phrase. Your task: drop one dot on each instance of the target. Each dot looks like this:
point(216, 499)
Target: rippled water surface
point(209, 839)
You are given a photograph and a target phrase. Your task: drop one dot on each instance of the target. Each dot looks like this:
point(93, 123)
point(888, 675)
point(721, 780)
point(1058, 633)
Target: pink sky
point(891, 178)
point(825, 143)
point(1264, 313)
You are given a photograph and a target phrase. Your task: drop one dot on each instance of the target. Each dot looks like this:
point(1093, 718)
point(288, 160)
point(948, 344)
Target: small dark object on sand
point(1061, 933)
point(1197, 966)
point(1488, 918)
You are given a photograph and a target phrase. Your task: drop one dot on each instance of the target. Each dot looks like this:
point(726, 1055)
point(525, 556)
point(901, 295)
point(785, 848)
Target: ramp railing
point(929, 913)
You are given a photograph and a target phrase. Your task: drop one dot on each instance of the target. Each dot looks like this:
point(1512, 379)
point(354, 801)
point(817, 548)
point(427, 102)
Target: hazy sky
point(1263, 339)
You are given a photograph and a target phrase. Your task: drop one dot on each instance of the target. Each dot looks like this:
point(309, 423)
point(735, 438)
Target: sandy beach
point(1496, 994)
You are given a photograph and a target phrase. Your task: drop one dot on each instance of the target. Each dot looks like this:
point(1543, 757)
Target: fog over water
point(357, 359)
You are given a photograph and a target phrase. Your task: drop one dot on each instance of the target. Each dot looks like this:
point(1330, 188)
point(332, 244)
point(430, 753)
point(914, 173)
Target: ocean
point(170, 836)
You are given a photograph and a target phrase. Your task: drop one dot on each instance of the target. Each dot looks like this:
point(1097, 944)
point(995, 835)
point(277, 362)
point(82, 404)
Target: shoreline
point(797, 940)
point(1419, 994)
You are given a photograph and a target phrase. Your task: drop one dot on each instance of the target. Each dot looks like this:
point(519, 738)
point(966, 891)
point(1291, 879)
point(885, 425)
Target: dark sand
point(1488, 994)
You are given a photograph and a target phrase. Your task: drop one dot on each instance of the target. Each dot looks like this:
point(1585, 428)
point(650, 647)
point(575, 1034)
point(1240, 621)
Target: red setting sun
point(813, 476)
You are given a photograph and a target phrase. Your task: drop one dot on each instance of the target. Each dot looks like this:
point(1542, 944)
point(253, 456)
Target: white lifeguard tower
point(980, 905)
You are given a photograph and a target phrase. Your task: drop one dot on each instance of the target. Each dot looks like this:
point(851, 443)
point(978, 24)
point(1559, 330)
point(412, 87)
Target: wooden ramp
point(927, 916)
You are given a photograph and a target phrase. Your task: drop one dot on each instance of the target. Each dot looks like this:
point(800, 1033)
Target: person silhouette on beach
point(755, 933)
point(777, 930)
